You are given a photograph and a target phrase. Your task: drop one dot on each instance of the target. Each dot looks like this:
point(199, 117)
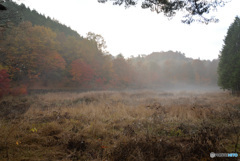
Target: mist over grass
point(119, 125)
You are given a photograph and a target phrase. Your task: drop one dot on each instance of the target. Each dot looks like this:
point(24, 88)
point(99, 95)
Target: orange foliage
point(52, 62)
point(81, 71)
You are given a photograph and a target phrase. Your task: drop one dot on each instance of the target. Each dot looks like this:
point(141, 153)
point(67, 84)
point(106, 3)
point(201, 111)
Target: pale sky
point(135, 31)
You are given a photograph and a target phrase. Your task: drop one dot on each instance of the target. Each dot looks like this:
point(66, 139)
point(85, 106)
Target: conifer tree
point(229, 65)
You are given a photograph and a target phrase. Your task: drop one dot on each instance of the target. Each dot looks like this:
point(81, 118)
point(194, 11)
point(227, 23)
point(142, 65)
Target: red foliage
point(81, 71)
point(4, 82)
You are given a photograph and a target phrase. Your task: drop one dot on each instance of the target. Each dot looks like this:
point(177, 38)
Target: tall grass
point(110, 125)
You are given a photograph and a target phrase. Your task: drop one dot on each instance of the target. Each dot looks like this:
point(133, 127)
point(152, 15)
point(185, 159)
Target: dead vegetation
point(135, 125)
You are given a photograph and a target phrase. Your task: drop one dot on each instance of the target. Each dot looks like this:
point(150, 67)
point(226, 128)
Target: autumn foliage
point(37, 56)
point(81, 71)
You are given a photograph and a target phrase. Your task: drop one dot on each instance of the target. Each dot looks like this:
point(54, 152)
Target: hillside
point(174, 70)
point(18, 13)
point(41, 53)
point(163, 56)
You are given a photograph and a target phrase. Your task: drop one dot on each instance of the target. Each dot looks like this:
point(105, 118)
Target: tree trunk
point(236, 92)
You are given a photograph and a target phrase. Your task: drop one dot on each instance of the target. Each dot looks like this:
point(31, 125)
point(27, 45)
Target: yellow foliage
point(33, 130)
point(18, 142)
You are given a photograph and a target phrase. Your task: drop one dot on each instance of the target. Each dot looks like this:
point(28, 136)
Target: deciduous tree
point(81, 72)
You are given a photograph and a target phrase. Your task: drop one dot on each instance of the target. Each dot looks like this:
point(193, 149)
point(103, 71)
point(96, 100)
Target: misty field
point(127, 125)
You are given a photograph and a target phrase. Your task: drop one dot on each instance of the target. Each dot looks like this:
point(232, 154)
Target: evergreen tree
point(16, 14)
point(229, 65)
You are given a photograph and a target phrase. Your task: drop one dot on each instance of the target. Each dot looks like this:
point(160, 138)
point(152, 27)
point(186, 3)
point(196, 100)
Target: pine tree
point(229, 65)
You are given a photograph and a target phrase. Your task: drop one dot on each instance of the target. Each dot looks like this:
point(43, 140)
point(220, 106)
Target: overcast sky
point(137, 31)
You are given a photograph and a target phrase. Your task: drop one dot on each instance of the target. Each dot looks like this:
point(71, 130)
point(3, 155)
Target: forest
point(40, 53)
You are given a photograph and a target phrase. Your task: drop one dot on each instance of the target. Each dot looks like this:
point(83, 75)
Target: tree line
point(40, 55)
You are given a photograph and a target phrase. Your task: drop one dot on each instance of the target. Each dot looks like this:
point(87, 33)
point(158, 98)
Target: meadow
point(119, 125)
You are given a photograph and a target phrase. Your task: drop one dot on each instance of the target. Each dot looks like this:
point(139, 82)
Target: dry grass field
point(119, 126)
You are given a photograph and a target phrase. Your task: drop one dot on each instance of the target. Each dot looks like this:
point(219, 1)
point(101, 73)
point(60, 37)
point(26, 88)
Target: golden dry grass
point(105, 125)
